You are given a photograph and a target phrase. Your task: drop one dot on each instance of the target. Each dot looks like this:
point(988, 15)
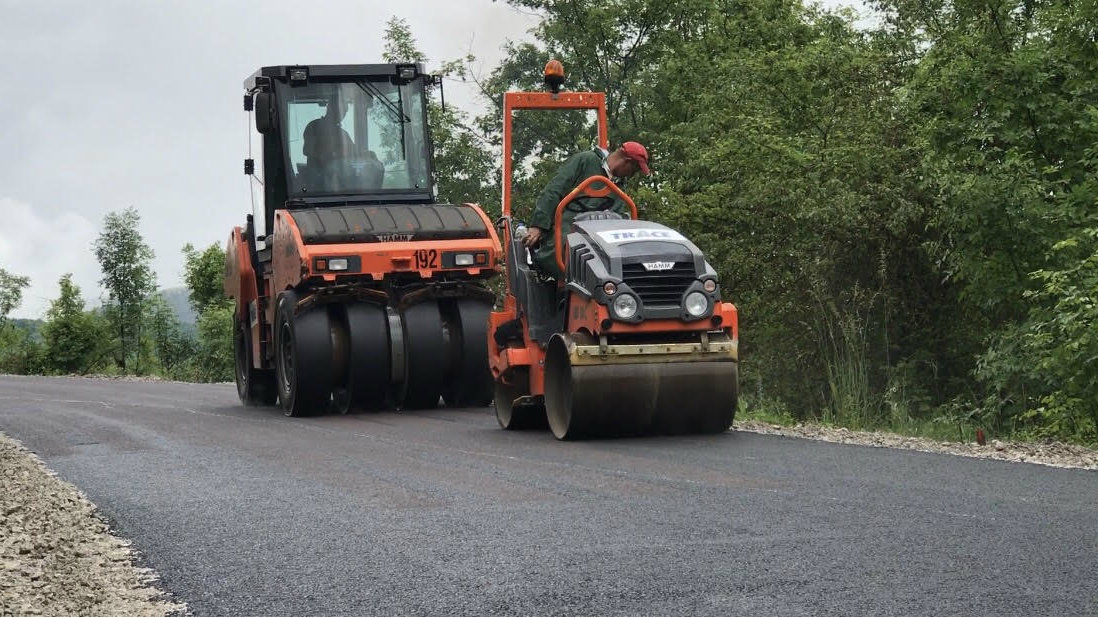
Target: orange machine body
point(296, 264)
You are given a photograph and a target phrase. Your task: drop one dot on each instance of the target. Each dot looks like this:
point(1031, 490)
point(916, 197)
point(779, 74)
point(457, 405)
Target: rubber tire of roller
point(303, 349)
point(368, 377)
point(255, 387)
point(470, 382)
point(425, 357)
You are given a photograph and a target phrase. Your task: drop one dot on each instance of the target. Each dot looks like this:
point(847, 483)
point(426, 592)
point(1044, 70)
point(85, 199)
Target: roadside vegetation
point(904, 206)
point(135, 331)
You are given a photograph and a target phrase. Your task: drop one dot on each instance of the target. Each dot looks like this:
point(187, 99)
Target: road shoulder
point(1055, 454)
point(57, 553)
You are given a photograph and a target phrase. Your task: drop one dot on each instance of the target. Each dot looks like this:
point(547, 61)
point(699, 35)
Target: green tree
point(11, 293)
point(124, 259)
point(170, 345)
point(204, 272)
point(72, 337)
point(1007, 109)
point(21, 352)
point(212, 357)
point(214, 360)
point(400, 44)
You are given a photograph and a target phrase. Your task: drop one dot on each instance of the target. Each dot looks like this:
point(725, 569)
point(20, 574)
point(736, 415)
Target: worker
point(617, 166)
point(324, 141)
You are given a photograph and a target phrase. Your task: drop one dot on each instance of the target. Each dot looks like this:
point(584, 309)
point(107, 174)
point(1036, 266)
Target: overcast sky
point(110, 104)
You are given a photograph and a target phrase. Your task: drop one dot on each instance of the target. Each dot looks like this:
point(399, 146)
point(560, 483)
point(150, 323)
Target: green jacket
point(576, 169)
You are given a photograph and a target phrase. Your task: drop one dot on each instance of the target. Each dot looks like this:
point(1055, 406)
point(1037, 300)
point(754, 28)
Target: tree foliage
point(73, 337)
point(171, 349)
point(212, 351)
point(204, 272)
point(214, 360)
point(11, 293)
point(124, 260)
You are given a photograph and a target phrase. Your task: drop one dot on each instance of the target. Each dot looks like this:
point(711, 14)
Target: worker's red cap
point(636, 152)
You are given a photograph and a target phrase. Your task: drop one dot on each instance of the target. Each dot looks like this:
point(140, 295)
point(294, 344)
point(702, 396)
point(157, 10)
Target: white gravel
point(1055, 454)
point(57, 555)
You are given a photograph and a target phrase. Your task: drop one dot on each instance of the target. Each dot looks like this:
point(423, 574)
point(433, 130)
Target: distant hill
point(32, 326)
point(179, 300)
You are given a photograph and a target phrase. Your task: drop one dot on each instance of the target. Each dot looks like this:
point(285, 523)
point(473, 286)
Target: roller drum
point(512, 387)
point(623, 399)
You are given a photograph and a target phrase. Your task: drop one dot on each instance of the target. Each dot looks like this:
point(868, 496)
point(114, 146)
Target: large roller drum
point(603, 398)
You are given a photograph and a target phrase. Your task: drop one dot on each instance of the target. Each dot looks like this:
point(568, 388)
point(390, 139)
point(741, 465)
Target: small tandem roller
point(637, 341)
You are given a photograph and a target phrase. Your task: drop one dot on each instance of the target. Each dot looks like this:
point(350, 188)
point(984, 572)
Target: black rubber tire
point(469, 382)
point(512, 417)
point(425, 357)
point(255, 387)
point(303, 356)
point(340, 402)
point(368, 371)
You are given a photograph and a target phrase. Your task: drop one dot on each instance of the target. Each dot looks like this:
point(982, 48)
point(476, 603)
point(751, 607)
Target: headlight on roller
point(463, 259)
point(696, 304)
point(625, 306)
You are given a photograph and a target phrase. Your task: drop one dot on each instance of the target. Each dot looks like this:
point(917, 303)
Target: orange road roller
point(353, 288)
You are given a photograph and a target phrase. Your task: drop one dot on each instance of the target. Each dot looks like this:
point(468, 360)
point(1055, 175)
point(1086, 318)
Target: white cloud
point(45, 246)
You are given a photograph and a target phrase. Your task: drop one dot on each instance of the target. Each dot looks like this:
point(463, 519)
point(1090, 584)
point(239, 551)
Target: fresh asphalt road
point(244, 511)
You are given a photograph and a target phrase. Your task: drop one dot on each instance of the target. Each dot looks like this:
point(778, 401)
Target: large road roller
point(634, 339)
point(354, 289)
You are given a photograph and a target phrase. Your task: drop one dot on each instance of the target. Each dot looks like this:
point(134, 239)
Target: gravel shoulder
point(1055, 454)
point(57, 554)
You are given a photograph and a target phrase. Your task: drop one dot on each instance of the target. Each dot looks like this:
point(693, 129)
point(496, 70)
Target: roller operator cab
point(635, 339)
point(353, 287)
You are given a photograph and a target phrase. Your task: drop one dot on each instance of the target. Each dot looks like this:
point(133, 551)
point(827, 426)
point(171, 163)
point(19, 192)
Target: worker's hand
point(533, 236)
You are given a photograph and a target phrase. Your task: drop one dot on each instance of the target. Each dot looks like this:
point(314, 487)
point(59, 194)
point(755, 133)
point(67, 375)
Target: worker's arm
point(561, 185)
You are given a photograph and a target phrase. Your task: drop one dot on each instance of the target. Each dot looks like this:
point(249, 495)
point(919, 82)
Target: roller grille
point(659, 288)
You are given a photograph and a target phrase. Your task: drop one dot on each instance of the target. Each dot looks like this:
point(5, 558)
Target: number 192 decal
point(426, 258)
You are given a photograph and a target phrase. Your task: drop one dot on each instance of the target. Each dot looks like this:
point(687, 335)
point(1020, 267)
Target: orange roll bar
point(546, 100)
point(586, 189)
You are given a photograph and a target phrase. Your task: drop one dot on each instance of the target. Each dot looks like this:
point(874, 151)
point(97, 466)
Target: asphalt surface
point(244, 511)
